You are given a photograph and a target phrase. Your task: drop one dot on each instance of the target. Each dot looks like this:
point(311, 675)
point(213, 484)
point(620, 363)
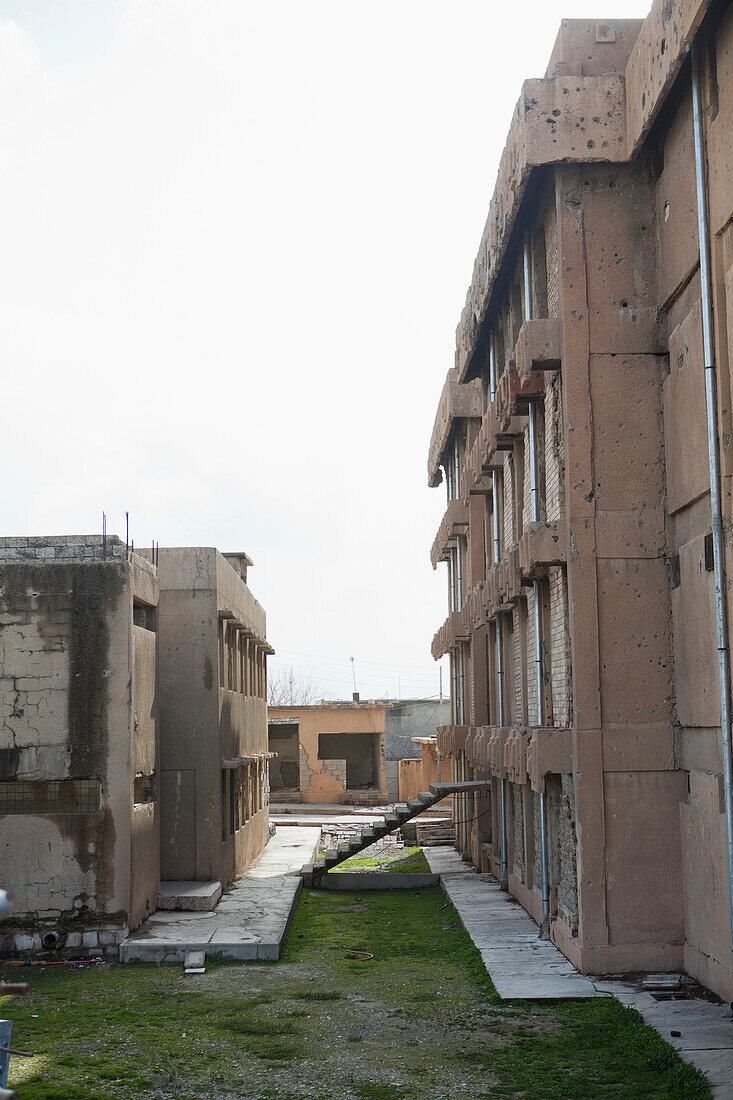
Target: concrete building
point(213, 716)
point(585, 557)
point(407, 721)
point(79, 818)
point(328, 753)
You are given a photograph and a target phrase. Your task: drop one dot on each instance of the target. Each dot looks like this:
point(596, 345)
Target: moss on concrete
point(392, 860)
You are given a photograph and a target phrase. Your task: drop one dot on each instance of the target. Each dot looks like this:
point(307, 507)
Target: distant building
point(328, 753)
point(408, 719)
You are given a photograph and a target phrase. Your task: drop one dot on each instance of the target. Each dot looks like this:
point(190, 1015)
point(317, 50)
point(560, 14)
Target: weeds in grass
point(119, 1033)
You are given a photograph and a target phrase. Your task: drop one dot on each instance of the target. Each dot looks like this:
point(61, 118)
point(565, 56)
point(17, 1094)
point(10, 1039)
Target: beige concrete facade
point(213, 724)
point(329, 753)
point(597, 190)
point(417, 774)
point(79, 822)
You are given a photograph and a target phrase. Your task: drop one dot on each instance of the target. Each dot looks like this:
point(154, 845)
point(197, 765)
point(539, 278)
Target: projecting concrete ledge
point(520, 964)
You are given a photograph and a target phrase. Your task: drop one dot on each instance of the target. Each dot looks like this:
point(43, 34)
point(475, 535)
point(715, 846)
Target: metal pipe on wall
point(451, 605)
point(495, 514)
point(456, 470)
point(459, 575)
point(504, 881)
point(492, 366)
point(535, 501)
point(721, 622)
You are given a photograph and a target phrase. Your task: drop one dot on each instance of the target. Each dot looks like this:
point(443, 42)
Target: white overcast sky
point(236, 241)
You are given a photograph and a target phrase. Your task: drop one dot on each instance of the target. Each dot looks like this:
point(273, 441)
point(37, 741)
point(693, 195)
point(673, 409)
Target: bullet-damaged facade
point(572, 435)
point(213, 716)
point(79, 816)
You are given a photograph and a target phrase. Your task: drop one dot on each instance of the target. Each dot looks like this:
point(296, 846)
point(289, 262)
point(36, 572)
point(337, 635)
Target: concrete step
point(368, 836)
point(472, 786)
point(344, 849)
point(427, 797)
point(189, 897)
point(418, 805)
point(402, 808)
point(391, 822)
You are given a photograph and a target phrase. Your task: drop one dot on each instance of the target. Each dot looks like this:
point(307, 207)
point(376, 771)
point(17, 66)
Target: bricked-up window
point(144, 789)
point(55, 796)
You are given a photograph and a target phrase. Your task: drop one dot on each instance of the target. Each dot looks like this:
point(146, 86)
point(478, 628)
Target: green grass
point(420, 1020)
point(392, 860)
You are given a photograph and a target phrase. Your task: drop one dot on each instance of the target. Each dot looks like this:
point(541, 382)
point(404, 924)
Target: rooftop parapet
point(45, 549)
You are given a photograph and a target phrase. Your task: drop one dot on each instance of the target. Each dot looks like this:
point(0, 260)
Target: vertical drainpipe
point(456, 470)
point(462, 693)
point(492, 366)
point(504, 880)
point(454, 721)
point(714, 467)
point(535, 501)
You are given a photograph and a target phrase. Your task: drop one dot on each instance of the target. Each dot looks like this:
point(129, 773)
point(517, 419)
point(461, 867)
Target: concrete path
point(527, 968)
point(521, 965)
point(250, 921)
point(705, 1030)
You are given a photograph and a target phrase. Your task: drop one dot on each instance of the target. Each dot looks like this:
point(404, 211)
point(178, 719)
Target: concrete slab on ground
point(354, 820)
point(189, 896)
point(378, 880)
point(250, 921)
point(319, 808)
point(521, 965)
point(705, 1036)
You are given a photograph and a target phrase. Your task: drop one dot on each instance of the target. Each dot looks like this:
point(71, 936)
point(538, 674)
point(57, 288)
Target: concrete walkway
point(250, 921)
point(524, 967)
point(701, 1032)
point(521, 965)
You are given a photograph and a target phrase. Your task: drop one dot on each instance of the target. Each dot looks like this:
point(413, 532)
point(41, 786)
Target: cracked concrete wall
point(318, 783)
point(68, 698)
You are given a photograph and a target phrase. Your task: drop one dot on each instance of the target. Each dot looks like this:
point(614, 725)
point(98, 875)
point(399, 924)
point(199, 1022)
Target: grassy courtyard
point(418, 1020)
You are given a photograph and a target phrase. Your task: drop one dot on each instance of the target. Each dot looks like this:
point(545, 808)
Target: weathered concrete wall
point(410, 718)
point(72, 680)
point(206, 608)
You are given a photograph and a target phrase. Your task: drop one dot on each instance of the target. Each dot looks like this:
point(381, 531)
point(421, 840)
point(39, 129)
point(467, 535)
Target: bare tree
point(285, 688)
